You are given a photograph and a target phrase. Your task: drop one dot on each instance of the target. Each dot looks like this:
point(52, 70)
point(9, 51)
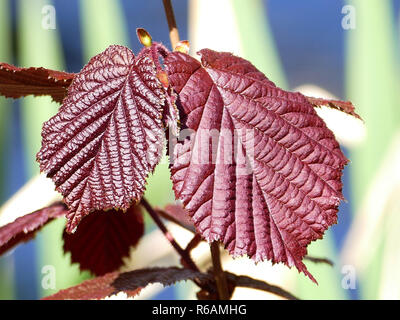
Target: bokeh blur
point(343, 49)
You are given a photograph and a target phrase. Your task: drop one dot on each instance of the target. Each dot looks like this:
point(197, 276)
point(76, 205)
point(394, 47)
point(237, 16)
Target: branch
point(219, 274)
point(184, 255)
point(186, 259)
point(191, 245)
point(247, 282)
point(173, 30)
point(319, 260)
point(194, 242)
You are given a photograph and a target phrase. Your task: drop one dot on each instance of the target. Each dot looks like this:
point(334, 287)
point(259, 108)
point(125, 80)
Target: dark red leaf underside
point(270, 183)
point(25, 227)
point(104, 238)
point(130, 282)
point(20, 82)
point(107, 136)
point(344, 106)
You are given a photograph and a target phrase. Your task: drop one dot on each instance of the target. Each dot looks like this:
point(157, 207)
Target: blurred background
point(343, 49)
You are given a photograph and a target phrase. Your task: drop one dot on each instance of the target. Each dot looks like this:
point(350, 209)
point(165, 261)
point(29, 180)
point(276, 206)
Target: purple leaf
point(24, 228)
point(108, 134)
point(262, 173)
point(104, 238)
point(130, 282)
point(19, 82)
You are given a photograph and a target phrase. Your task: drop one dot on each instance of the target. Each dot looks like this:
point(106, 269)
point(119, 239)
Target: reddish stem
point(219, 274)
point(185, 257)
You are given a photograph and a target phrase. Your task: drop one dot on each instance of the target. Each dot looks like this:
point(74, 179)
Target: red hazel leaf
point(129, 282)
point(24, 228)
point(261, 172)
point(20, 82)
point(104, 238)
point(107, 136)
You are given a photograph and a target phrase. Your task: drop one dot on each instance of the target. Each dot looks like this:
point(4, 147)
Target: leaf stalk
point(219, 274)
point(183, 254)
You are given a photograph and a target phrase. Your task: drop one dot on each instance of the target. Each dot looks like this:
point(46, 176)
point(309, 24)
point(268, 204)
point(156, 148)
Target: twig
point(184, 255)
point(219, 274)
point(247, 282)
point(193, 243)
point(319, 260)
point(173, 30)
point(186, 259)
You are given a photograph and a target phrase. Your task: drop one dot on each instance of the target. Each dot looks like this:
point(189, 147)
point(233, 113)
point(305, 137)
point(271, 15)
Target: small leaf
point(107, 136)
point(107, 236)
point(261, 171)
point(24, 228)
point(20, 82)
point(144, 37)
point(130, 282)
point(182, 46)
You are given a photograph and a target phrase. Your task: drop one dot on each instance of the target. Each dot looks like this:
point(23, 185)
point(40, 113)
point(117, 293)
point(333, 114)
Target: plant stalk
point(183, 254)
point(173, 30)
point(219, 274)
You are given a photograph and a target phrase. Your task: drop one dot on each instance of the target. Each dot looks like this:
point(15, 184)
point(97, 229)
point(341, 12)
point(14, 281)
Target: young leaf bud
point(144, 37)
